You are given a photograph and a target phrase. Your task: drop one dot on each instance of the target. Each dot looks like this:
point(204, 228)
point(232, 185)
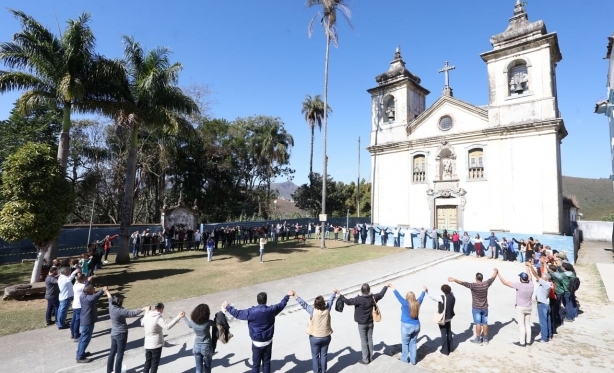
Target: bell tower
point(522, 72)
point(395, 102)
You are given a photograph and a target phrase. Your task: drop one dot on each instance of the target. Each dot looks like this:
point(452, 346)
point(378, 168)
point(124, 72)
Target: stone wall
point(596, 230)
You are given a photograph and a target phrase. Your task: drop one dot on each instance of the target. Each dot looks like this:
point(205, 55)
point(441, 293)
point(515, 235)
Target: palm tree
point(328, 19)
point(273, 146)
point(313, 109)
point(64, 72)
point(151, 98)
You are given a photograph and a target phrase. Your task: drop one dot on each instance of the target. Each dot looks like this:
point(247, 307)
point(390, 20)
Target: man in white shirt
point(395, 234)
point(66, 295)
point(197, 239)
point(75, 321)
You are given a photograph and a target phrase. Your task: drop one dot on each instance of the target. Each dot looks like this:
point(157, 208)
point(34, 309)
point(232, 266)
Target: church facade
point(458, 166)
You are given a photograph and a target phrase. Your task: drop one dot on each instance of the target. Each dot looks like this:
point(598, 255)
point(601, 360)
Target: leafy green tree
point(65, 72)
point(328, 19)
point(40, 125)
point(152, 100)
point(38, 198)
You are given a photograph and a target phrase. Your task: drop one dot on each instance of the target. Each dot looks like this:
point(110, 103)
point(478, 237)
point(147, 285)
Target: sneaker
point(87, 353)
point(518, 344)
point(84, 361)
point(485, 341)
point(477, 340)
point(76, 340)
point(106, 262)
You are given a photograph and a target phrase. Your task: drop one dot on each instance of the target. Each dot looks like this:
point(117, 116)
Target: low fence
point(596, 230)
point(73, 239)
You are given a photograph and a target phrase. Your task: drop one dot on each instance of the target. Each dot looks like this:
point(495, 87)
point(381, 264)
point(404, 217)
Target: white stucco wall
point(596, 230)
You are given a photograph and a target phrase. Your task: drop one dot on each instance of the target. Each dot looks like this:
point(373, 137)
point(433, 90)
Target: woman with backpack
point(205, 337)
point(319, 329)
point(410, 324)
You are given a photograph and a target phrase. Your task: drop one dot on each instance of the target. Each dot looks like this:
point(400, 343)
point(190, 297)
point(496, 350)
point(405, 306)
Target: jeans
point(456, 245)
point(60, 317)
point(135, 250)
point(202, 356)
point(75, 322)
point(261, 355)
point(570, 311)
point(545, 321)
point(409, 342)
point(521, 256)
point(53, 305)
point(396, 242)
point(446, 337)
point(261, 252)
point(209, 253)
point(118, 346)
point(466, 248)
point(319, 353)
point(363, 238)
point(84, 340)
point(366, 341)
point(167, 241)
point(336, 236)
point(382, 239)
point(435, 242)
point(152, 360)
point(523, 318)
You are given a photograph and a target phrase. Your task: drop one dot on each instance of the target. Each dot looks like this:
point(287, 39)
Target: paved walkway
point(600, 254)
point(583, 344)
point(50, 350)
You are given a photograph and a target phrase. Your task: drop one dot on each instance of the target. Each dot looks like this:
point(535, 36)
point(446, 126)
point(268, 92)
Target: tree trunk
point(63, 147)
point(311, 172)
point(123, 249)
point(38, 263)
point(324, 123)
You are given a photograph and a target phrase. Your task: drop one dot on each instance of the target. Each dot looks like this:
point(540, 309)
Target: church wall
point(391, 202)
point(463, 121)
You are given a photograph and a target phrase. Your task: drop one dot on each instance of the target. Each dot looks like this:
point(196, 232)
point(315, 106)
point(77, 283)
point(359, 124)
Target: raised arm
point(506, 283)
point(329, 303)
point(281, 305)
point(381, 294)
point(494, 274)
point(164, 325)
point(303, 304)
point(532, 271)
point(452, 279)
point(436, 299)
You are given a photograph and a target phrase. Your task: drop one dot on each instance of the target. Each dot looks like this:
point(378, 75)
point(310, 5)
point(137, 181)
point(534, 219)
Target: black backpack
point(339, 305)
point(574, 284)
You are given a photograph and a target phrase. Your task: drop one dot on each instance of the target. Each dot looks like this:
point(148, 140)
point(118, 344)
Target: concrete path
point(599, 253)
point(583, 345)
point(50, 350)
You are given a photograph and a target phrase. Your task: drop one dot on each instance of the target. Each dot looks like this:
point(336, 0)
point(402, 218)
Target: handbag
point(440, 318)
point(377, 314)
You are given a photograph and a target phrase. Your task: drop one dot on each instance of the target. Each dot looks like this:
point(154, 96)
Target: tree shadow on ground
point(126, 276)
point(248, 253)
point(432, 345)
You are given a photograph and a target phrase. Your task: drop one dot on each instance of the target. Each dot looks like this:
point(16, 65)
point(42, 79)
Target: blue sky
point(258, 59)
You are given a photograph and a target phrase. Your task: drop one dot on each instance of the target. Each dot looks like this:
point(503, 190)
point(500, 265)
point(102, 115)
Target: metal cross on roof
point(447, 67)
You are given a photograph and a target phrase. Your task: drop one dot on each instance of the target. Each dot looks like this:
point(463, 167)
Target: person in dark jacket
point(52, 295)
point(89, 316)
point(261, 325)
point(119, 330)
point(363, 316)
point(445, 329)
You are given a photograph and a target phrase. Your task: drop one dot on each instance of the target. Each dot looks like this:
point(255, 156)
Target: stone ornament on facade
point(446, 190)
point(446, 161)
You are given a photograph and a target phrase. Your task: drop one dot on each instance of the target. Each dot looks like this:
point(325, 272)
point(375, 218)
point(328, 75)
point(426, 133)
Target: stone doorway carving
point(447, 193)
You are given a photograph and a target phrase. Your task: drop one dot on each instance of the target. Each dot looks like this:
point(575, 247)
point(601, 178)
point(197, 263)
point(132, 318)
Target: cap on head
point(523, 277)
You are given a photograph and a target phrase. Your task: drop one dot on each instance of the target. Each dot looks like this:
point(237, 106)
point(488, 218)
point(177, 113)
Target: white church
point(458, 166)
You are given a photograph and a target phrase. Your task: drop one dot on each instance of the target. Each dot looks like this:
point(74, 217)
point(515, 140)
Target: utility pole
point(358, 184)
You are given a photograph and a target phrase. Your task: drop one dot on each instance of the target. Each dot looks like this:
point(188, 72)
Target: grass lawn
point(187, 274)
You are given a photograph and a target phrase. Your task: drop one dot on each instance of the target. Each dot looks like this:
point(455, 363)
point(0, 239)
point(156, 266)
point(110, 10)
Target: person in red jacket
point(107, 244)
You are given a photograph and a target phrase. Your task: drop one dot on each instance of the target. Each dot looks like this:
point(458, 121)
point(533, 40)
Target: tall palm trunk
point(123, 249)
point(311, 170)
point(324, 123)
point(63, 147)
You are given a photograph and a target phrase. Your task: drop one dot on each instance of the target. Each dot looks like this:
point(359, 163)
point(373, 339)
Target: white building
point(456, 165)
point(607, 106)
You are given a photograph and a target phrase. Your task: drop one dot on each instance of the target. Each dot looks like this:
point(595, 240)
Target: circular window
point(445, 123)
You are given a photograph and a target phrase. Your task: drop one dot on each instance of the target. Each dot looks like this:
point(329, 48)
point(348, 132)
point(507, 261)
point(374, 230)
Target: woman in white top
point(262, 243)
point(477, 243)
point(154, 324)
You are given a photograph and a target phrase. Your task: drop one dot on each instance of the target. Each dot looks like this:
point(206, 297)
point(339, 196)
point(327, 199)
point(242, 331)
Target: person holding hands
point(154, 324)
point(410, 324)
point(479, 304)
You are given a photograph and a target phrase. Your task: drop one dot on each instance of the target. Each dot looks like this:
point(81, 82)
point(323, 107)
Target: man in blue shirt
point(261, 325)
point(492, 245)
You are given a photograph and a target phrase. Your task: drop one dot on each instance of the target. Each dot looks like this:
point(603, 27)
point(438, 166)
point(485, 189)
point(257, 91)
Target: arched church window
point(445, 123)
point(476, 164)
point(390, 109)
point(419, 168)
point(518, 78)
